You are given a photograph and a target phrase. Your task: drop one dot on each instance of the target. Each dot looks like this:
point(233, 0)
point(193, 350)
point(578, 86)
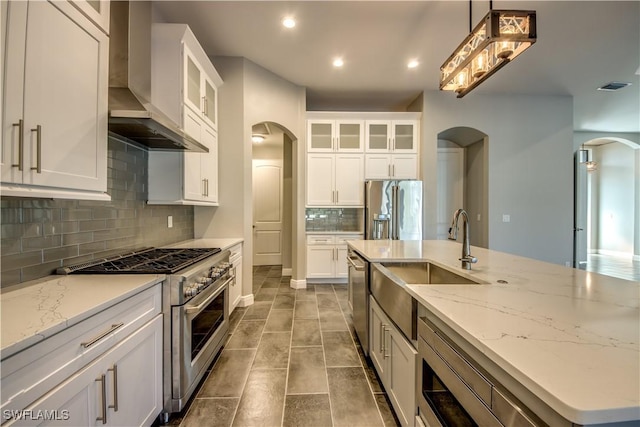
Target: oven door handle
point(191, 311)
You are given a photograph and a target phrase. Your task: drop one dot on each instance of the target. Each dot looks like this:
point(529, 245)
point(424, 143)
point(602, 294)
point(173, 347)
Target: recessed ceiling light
point(257, 138)
point(413, 63)
point(289, 22)
point(338, 62)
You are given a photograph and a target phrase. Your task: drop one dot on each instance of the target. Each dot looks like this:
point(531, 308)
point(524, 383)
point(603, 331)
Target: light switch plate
point(169, 221)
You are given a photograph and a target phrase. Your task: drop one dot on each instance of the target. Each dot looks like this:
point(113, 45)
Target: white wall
point(530, 161)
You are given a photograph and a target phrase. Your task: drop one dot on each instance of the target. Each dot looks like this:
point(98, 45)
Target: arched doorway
point(607, 205)
point(462, 181)
point(273, 204)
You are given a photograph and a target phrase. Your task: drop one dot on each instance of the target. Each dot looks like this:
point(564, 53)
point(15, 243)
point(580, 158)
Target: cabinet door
point(405, 136)
point(14, 16)
point(404, 166)
point(235, 292)
point(342, 267)
point(97, 11)
point(378, 136)
point(193, 182)
point(193, 77)
point(377, 334)
point(65, 98)
point(90, 394)
point(378, 166)
point(320, 261)
point(401, 376)
point(320, 176)
point(209, 102)
point(209, 164)
point(320, 136)
point(138, 377)
point(349, 135)
point(349, 180)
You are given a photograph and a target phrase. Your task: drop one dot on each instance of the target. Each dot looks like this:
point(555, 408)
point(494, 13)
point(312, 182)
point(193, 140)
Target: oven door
point(199, 329)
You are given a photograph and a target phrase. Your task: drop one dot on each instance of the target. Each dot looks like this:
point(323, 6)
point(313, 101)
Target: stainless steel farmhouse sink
point(387, 283)
point(426, 273)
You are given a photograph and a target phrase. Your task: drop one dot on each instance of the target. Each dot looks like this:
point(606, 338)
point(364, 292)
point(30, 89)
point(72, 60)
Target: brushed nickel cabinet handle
point(91, 342)
point(382, 350)
point(204, 105)
point(38, 131)
point(103, 418)
point(115, 387)
point(386, 347)
point(20, 126)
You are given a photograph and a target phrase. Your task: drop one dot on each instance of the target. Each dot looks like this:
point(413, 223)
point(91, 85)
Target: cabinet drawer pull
point(102, 380)
point(38, 131)
point(115, 387)
point(91, 342)
point(20, 126)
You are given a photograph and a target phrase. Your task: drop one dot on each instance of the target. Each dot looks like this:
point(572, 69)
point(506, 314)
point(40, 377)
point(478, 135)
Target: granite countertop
point(222, 243)
point(570, 337)
point(35, 310)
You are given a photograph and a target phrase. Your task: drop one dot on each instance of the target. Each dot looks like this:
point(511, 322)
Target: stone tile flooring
point(291, 360)
point(621, 267)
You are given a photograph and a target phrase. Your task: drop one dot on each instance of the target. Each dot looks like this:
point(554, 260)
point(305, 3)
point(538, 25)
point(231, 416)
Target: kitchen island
point(558, 337)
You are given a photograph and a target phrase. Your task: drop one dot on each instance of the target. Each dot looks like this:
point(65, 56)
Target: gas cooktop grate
point(150, 261)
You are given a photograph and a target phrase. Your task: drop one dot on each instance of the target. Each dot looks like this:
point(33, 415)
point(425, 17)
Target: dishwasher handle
point(352, 260)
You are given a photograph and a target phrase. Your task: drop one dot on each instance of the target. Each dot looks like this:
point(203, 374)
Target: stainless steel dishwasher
point(359, 284)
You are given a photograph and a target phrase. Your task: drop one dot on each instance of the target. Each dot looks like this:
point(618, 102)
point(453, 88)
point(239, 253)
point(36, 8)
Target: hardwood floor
point(291, 360)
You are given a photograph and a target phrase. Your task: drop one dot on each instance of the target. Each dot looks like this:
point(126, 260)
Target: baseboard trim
point(336, 280)
point(245, 301)
point(298, 284)
point(287, 271)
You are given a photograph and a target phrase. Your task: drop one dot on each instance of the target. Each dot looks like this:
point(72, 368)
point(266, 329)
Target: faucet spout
point(467, 259)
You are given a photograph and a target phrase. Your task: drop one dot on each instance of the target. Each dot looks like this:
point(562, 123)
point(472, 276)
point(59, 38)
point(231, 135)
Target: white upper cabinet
point(96, 10)
point(54, 124)
point(182, 75)
point(335, 179)
point(387, 136)
point(200, 93)
point(326, 136)
point(184, 85)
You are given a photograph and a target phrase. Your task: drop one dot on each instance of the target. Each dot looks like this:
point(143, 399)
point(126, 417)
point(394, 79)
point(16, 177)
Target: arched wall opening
point(462, 181)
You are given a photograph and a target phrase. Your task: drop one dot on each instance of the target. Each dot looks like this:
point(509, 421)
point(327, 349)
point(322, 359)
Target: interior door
point(580, 213)
point(267, 212)
point(450, 187)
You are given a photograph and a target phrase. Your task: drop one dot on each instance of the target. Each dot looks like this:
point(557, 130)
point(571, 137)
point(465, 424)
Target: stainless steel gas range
point(195, 304)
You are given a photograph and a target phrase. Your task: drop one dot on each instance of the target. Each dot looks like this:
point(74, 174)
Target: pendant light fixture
point(585, 157)
point(499, 37)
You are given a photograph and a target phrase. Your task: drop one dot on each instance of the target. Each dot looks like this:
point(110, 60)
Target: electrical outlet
point(478, 217)
point(170, 221)
point(567, 264)
point(506, 218)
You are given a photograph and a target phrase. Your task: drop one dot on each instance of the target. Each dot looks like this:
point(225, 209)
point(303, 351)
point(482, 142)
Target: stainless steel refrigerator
point(393, 209)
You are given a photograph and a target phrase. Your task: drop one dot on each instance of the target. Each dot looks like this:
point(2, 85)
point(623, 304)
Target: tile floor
point(621, 267)
point(291, 360)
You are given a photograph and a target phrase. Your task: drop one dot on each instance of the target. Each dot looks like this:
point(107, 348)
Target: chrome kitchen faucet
point(467, 259)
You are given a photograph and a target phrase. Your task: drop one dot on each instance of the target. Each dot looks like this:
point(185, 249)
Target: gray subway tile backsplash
point(40, 235)
point(334, 219)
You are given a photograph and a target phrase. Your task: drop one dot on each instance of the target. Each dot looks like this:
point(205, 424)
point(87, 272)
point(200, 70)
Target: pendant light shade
point(500, 36)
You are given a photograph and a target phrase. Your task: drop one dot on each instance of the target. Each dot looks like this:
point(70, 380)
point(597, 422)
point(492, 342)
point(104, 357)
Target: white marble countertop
point(360, 233)
point(222, 243)
point(570, 337)
point(35, 310)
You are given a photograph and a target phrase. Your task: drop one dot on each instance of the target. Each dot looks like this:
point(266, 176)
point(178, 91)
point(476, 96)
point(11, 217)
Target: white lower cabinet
point(395, 360)
point(235, 290)
point(327, 256)
point(104, 370)
point(123, 387)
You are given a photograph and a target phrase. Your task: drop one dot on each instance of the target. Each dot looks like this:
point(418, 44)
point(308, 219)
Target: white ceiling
point(581, 46)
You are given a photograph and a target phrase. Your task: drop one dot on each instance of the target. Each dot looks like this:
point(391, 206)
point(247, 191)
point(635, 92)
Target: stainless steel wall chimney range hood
point(131, 115)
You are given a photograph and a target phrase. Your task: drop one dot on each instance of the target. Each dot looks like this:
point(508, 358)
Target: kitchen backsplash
point(40, 235)
point(334, 219)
